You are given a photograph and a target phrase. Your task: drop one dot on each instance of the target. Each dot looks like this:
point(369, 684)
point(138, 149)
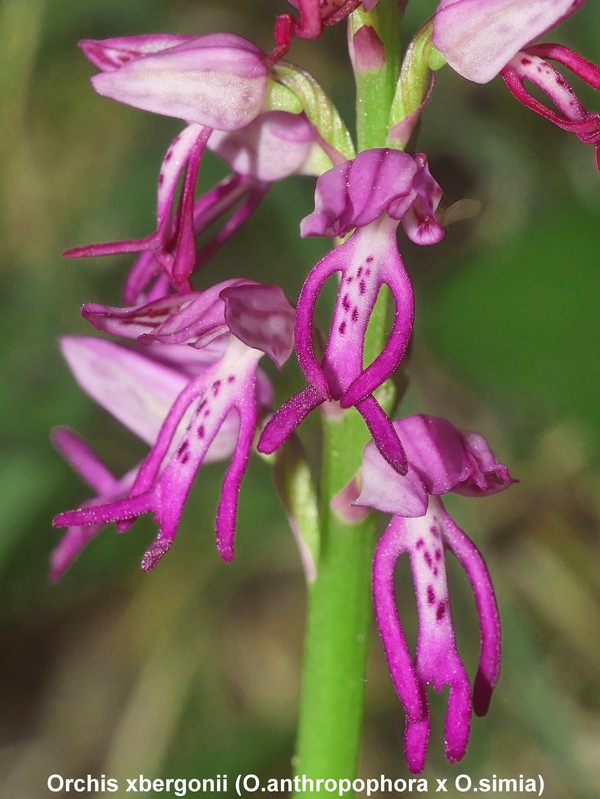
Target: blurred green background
point(194, 670)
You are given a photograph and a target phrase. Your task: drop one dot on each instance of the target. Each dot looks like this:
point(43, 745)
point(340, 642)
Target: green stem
point(338, 622)
point(339, 601)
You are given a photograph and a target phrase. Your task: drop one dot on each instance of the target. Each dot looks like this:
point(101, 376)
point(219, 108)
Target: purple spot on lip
point(216, 387)
point(201, 431)
point(438, 554)
point(441, 610)
point(161, 179)
point(427, 559)
point(362, 286)
point(231, 378)
point(349, 279)
point(369, 259)
point(430, 595)
point(355, 314)
point(342, 328)
point(359, 272)
point(346, 302)
point(168, 156)
point(420, 543)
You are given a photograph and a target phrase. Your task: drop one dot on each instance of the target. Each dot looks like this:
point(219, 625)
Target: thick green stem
point(339, 602)
point(338, 621)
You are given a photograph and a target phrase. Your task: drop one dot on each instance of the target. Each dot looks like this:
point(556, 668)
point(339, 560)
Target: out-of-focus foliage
point(194, 670)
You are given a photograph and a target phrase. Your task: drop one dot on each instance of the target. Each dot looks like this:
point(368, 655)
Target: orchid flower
point(372, 194)
point(478, 38)
point(484, 38)
point(227, 329)
point(570, 115)
point(272, 147)
point(314, 16)
point(215, 82)
point(440, 459)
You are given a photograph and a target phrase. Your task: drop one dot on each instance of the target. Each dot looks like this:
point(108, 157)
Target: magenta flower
point(483, 38)
point(570, 115)
point(217, 81)
point(372, 194)
point(479, 37)
point(213, 392)
point(214, 82)
point(440, 459)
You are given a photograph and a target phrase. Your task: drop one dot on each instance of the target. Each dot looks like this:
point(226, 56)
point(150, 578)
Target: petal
point(284, 421)
point(391, 545)
point(305, 311)
point(420, 222)
point(228, 502)
point(111, 54)
point(435, 450)
point(580, 66)
point(474, 565)
point(136, 390)
point(416, 738)
point(437, 660)
point(262, 317)
point(219, 81)
point(381, 265)
point(276, 144)
point(83, 460)
point(145, 269)
point(195, 318)
point(185, 146)
point(479, 37)
point(488, 476)
point(184, 248)
point(384, 489)
point(357, 192)
point(384, 434)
